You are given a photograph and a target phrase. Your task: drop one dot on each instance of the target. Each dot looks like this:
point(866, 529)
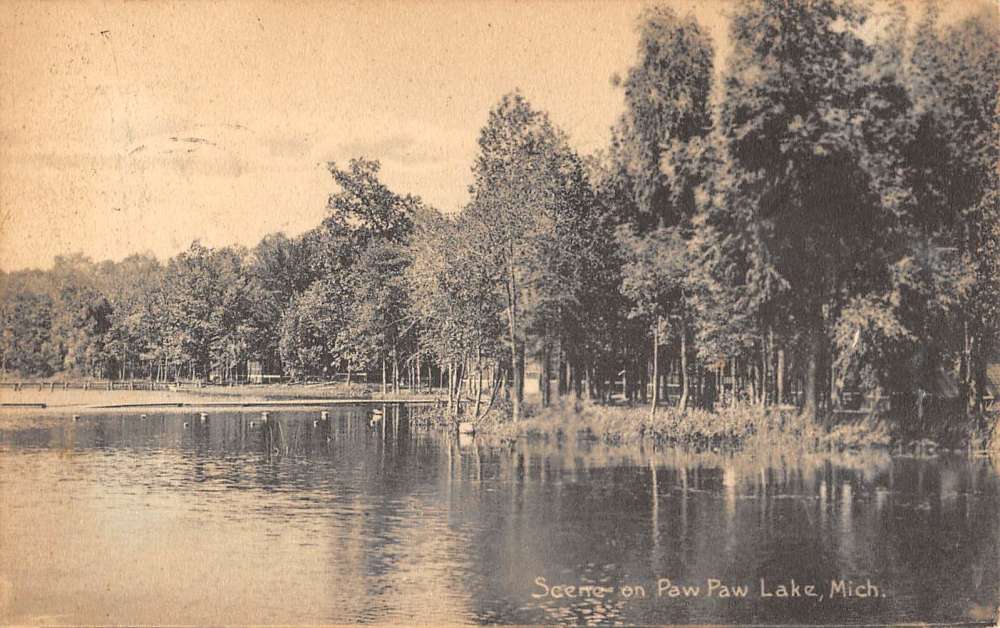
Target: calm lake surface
point(168, 519)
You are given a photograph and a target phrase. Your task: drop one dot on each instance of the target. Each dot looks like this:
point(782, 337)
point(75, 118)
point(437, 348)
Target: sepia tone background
point(138, 127)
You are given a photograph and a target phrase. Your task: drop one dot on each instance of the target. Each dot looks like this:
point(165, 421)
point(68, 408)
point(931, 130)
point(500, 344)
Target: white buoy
point(142, 416)
point(203, 417)
point(186, 424)
point(252, 424)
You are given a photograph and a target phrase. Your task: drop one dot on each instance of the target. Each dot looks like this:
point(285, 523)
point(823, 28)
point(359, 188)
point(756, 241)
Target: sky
point(139, 127)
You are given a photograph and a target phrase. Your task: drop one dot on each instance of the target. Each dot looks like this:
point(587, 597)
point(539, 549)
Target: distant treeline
point(822, 218)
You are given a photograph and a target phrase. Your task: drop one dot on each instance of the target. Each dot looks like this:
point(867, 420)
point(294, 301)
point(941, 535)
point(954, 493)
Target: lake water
point(168, 519)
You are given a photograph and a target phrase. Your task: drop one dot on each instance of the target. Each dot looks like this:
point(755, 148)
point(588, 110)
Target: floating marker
point(142, 416)
point(186, 424)
point(76, 417)
point(264, 416)
point(324, 415)
point(203, 417)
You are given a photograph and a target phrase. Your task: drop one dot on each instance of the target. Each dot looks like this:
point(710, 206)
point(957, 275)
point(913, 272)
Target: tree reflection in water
point(301, 519)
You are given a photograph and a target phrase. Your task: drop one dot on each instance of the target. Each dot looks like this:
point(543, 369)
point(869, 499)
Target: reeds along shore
point(744, 427)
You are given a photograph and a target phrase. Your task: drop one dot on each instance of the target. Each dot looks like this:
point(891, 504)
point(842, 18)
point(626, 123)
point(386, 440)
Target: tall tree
point(954, 83)
point(454, 299)
point(656, 153)
point(528, 186)
point(812, 137)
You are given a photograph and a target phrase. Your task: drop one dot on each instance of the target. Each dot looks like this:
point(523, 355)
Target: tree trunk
point(573, 374)
point(979, 380)
point(811, 388)
point(457, 382)
point(644, 380)
point(384, 383)
point(451, 387)
point(755, 391)
point(765, 370)
point(965, 366)
point(516, 348)
point(546, 374)
point(563, 369)
point(682, 405)
point(395, 371)
point(479, 381)
point(699, 383)
point(656, 369)
point(499, 376)
point(781, 376)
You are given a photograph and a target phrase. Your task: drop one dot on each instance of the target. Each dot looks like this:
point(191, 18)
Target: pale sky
point(138, 127)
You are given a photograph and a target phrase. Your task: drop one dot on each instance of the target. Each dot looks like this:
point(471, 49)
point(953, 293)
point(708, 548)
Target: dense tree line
point(819, 218)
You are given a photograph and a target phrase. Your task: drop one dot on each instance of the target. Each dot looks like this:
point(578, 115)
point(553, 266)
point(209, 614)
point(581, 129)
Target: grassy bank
point(742, 426)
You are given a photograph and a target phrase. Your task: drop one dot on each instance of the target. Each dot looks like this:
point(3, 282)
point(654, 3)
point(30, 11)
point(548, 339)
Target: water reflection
point(238, 518)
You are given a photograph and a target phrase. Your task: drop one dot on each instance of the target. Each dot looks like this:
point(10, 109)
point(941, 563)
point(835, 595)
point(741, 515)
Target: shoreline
point(725, 428)
point(98, 400)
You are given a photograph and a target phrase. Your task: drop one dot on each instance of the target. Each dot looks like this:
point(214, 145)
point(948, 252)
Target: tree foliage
point(817, 218)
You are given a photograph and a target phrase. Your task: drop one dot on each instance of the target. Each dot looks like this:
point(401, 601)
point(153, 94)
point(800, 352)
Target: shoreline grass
point(728, 428)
